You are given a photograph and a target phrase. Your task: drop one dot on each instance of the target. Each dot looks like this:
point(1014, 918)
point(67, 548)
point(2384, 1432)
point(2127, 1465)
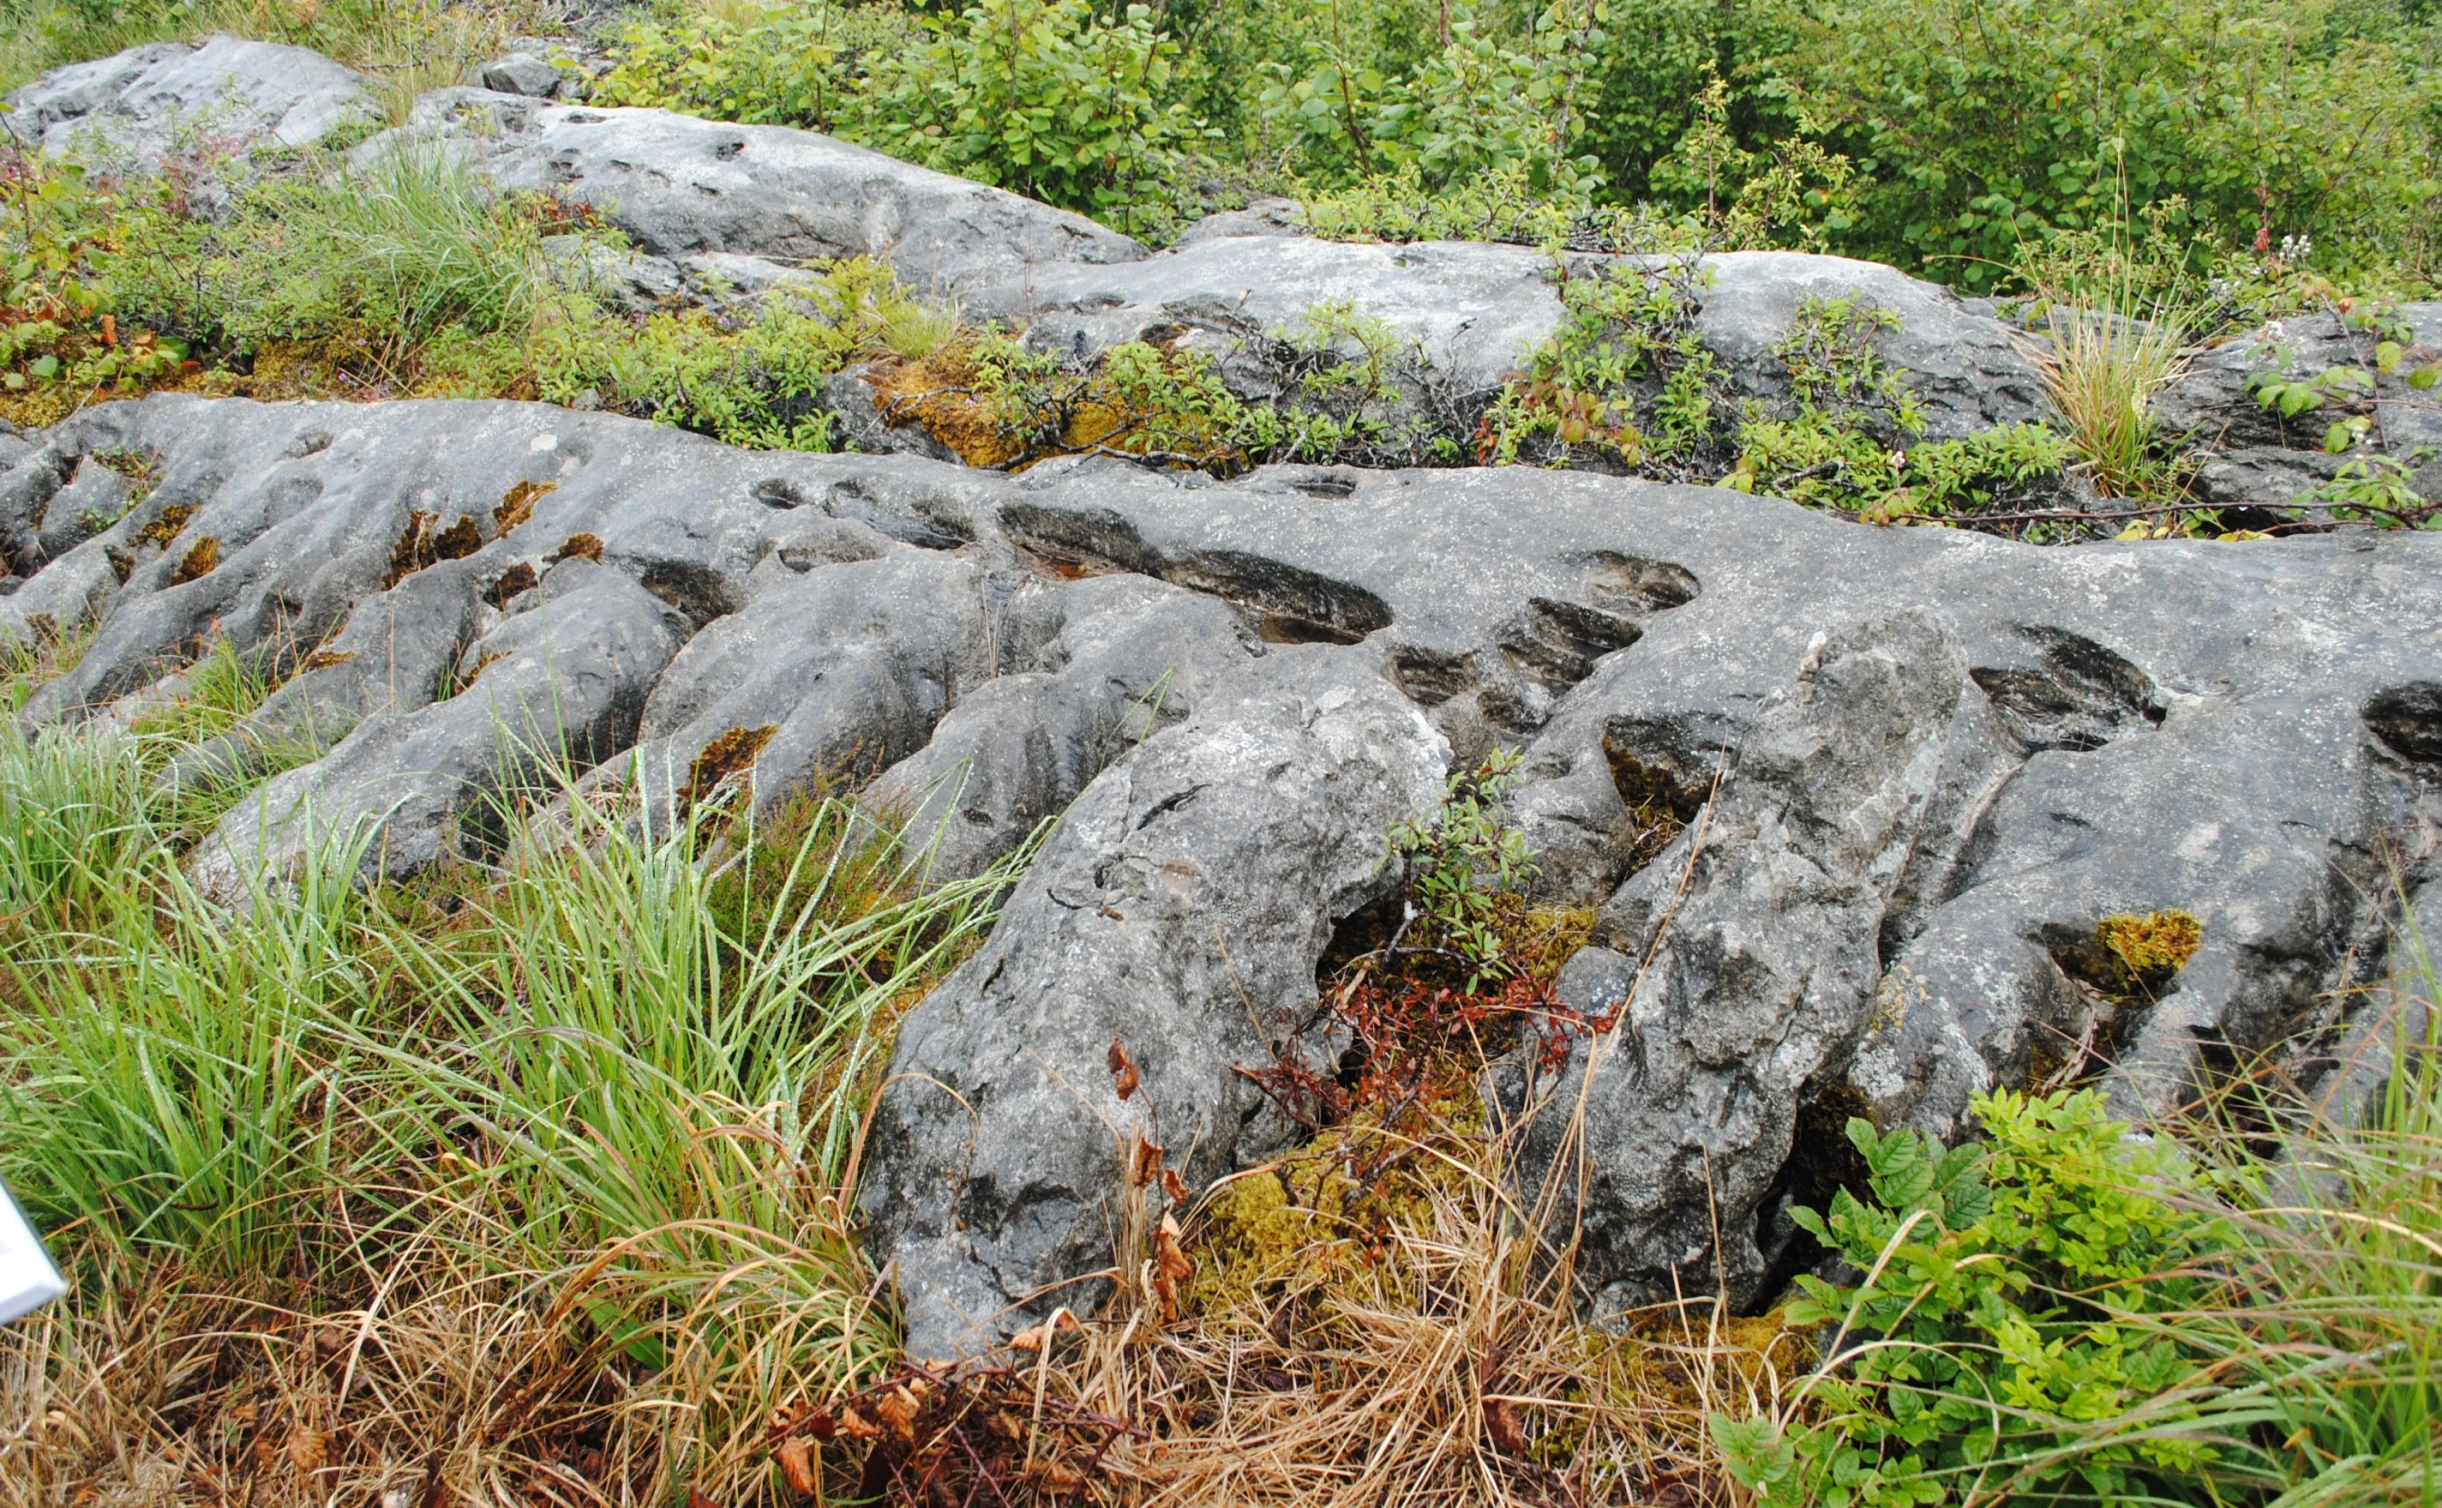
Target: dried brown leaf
point(1501, 1423)
point(1171, 1268)
point(1144, 1162)
point(1124, 1076)
point(898, 1410)
point(796, 1460)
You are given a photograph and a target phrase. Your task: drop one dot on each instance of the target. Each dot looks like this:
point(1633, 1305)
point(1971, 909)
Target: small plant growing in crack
point(1456, 863)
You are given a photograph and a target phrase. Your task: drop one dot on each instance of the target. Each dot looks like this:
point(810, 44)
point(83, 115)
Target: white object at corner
point(28, 1277)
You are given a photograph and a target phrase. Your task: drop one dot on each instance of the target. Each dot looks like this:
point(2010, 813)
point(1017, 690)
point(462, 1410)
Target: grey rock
point(1970, 370)
point(836, 674)
point(27, 485)
point(398, 652)
point(2264, 477)
point(1180, 908)
point(559, 689)
point(2230, 728)
point(223, 98)
point(1266, 216)
point(2346, 1081)
point(519, 73)
point(682, 186)
point(1471, 312)
point(1468, 310)
point(91, 502)
point(1107, 663)
point(1764, 970)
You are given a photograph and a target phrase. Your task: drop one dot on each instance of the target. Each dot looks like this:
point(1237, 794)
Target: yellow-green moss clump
point(2154, 946)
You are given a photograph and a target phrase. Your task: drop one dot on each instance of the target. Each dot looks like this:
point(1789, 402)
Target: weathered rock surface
point(679, 185)
point(1763, 928)
point(554, 690)
point(1944, 758)
point(1470, 312)
point(1180, 910)
point(169, 100)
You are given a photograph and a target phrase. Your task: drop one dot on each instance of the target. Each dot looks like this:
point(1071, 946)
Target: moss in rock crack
point(728, 762)
point(166, 525)
point(199, 562)
point(517, 579)
point(422, 544)
point(2153, 947)
point(517, 505)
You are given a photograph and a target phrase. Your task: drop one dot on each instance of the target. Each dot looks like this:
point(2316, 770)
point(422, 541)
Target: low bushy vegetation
point(1939, 135)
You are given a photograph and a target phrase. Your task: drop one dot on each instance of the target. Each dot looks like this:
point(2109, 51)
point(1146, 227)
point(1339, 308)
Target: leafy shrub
point(1042, 96)
point(1846, 437)
point(1457, 862)
point(62, 244)
point(2002, 1317)
point(1980, 124)
point(799, 65)
point(1624, 378)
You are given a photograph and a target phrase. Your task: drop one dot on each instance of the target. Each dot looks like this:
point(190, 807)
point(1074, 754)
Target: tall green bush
point(1980, 124)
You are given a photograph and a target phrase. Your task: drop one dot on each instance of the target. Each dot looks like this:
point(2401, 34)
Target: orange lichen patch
point(2154, 946)
point(166, 525)
point(728, 758)
point(324, 659)
point(518, 506)
point(199, 561)
point(516, 579)
point(578, 547)
point(938, 394)
point(421, 545)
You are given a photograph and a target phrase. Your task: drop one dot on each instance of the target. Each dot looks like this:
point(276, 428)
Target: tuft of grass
point(2101, 371)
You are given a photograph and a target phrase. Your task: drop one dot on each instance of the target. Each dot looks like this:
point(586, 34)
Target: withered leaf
point(1501, 1423)
point(1055, 1477)
point(1174, 1186)
point(1144, 1162)
point(796, 1460)
point(856, 1426)
point(309, 1450)
point(1124, 1076)
point(1171, 1268)
point(898, 1410)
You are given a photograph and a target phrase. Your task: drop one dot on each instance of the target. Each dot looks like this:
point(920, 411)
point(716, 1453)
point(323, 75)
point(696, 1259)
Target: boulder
point(209, 102)
point(1178, 912)
point(680, 186)
point(1759, 932)
point(520, 73)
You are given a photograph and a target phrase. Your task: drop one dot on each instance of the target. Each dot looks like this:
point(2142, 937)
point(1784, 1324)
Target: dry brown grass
point(1432, 1358)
